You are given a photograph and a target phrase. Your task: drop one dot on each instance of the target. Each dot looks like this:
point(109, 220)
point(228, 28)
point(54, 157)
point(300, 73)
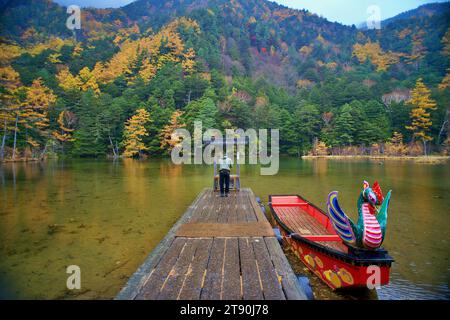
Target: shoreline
point(418, 159)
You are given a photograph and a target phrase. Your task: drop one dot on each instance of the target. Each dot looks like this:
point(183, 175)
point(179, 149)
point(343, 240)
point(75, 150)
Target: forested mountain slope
point(234, 63)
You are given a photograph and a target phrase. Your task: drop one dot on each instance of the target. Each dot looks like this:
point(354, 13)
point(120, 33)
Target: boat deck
point(299, 221)
point(221, 248)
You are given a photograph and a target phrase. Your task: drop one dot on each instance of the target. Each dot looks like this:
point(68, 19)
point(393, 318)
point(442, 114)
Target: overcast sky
point(343, 11)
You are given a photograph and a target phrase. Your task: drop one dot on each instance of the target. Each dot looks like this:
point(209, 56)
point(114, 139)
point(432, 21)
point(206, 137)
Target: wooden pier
point(221, 248)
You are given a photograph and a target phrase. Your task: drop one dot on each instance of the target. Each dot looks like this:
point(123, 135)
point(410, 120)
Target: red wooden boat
point(311, 236)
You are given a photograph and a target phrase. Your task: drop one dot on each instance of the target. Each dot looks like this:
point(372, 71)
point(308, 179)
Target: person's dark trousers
point(224, 181)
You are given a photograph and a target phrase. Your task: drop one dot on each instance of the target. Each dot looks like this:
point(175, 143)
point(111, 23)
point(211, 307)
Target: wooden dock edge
point(138, 279)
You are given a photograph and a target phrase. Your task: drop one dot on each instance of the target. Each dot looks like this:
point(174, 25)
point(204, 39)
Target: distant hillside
point(257, 38)
point(426, 10)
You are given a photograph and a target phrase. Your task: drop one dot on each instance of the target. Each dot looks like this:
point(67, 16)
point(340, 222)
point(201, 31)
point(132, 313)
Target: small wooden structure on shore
point(221, 248)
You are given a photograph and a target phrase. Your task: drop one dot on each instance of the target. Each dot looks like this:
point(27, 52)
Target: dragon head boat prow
point(369, 231)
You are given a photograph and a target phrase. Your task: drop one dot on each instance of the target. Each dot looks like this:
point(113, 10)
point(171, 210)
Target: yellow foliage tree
point(54, 58)
point(38, 99)
point(9, 52)
point(420, 115)
point(9, 78)
point(9, 98)
point(372, 51)
point(88, 80)
point(84, 81)
point(154, 50)
point(305, 50)
point(67, 81)
point(125, 33)
point(189, 62)
point(77, 50)
point(29, 107)
point(133, 132)
point(169, 139)
point(35, 111)
point(54, 44)
point(65, 120)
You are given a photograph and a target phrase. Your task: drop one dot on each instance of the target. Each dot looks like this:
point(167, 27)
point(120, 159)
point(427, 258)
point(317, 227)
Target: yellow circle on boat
point(345, 276)
point(310, 261)
point(318, 262)
point(333, 278)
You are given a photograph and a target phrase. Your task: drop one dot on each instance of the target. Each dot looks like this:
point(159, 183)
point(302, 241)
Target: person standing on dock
point(225, 165)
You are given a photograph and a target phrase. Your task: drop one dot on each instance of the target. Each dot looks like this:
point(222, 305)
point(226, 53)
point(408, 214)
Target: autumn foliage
point(420, 114)
point(134, 132)
point(169, 138)
point(372, 51)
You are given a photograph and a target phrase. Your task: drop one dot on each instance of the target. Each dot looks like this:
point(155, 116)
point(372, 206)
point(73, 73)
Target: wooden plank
point(257, 209)
point(214, 212)
point(152, 287)
point(309, 222)
point(248, 212)
point(231, 282)
point(293, 221)
point(174, 281)
point(297, 221)
point(212, 287)
point(272, 289)
point(289, 282)
point(251, 286)
point(302, 223)
point(210, 207)
point(193, 282)
point(209, 230)
point(201, 207)
point(240, 207)
point(232, 216)
point(224, 211)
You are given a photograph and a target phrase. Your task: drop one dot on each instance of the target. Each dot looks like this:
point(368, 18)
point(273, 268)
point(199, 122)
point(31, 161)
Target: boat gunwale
point(346, 257)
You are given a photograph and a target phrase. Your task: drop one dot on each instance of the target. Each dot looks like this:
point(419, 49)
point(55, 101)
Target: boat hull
point(335, 273)
point(339, 270)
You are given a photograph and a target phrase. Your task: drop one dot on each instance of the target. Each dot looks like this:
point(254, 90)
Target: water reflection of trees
point(113, 214)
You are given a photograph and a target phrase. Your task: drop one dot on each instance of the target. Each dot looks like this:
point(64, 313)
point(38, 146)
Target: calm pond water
point(106, 217)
